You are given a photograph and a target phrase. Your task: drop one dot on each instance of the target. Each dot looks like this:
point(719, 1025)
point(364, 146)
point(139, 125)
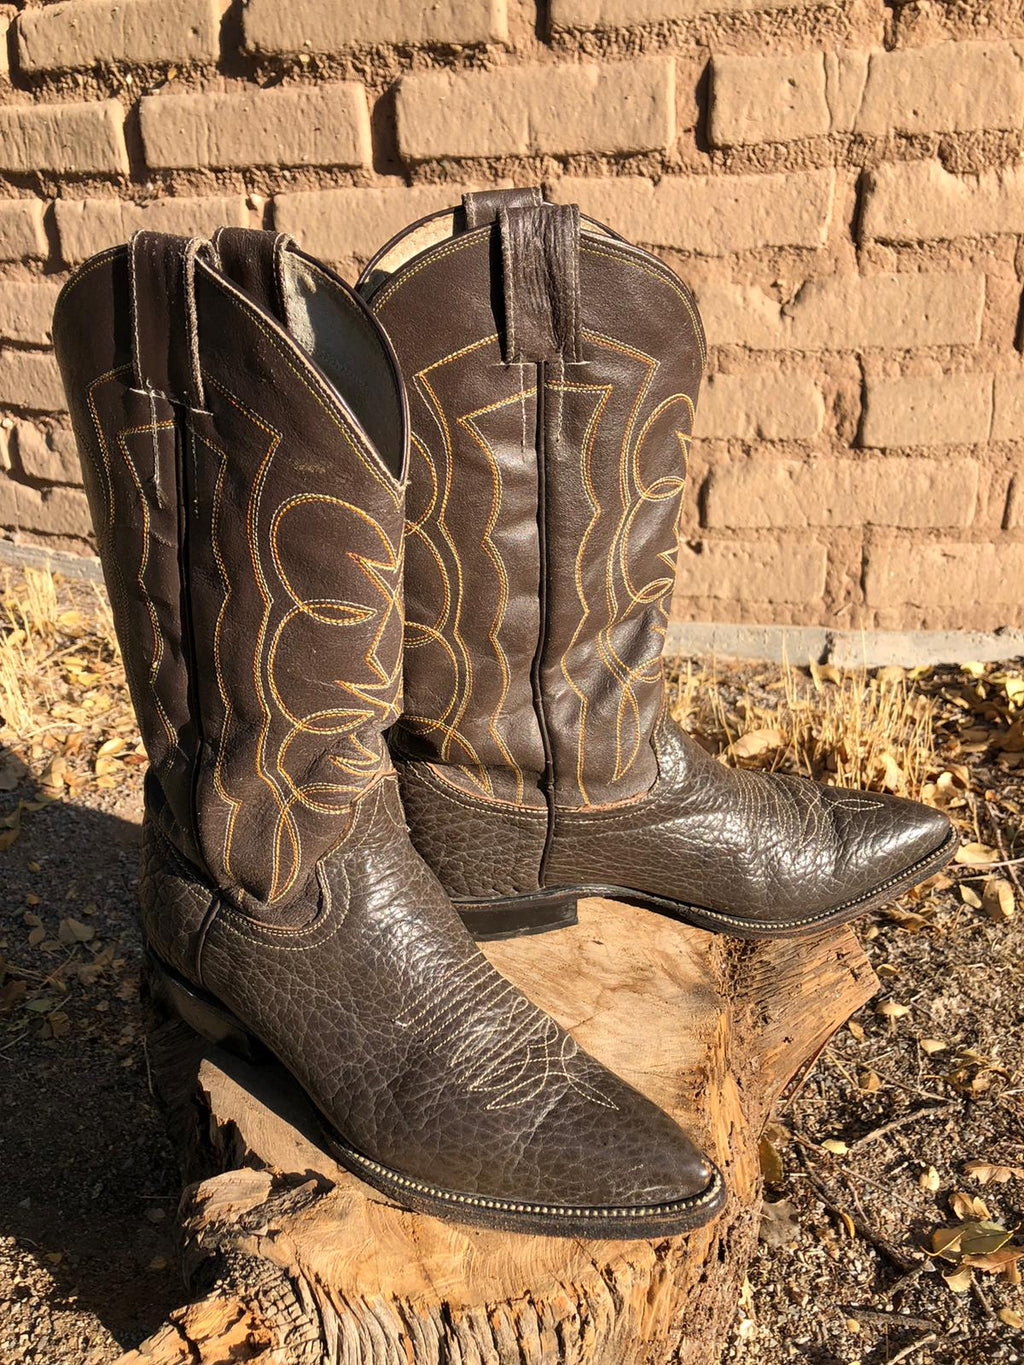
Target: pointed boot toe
point(887, 843)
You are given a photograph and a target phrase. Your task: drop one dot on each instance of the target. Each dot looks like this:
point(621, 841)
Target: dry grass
point(855, 728)
point(62, 685)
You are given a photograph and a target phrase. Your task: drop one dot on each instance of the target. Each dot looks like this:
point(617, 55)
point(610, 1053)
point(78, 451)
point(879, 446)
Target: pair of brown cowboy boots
point(495, 422)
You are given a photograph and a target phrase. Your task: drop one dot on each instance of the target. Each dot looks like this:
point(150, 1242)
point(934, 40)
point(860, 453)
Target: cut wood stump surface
point(291, 1260)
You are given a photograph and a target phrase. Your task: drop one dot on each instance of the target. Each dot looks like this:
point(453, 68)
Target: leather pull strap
point(252, 260)
point(483, 206)
point(165, 339)
point(540, 253)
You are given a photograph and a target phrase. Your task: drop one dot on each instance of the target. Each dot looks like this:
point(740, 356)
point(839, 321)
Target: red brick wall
point(841, 183)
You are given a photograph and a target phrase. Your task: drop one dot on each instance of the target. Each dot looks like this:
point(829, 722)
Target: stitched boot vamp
point(417, 1051)
point(755, 846)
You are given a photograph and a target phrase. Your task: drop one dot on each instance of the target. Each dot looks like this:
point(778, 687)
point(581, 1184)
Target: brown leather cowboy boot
point(552, 371)
point(241, 420)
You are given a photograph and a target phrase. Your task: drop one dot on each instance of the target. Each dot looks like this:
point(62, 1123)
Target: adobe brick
point(613, 107)
point(712, 215)
point(751, 570)
point(30, 380)
point(322, 125)
point(934, 410)
point(841, 492)
point(72, 139)
point(909, 201)
point(84, 33)
point(768, 99)
point(849, 312)
point(47, 453)
point(312, 26)
point(759, 407)
point(944, 574)
point(26, 310)
point(22, 234)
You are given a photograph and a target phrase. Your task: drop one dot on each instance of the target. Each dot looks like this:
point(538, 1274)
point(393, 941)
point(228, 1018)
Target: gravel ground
point(911, 1114)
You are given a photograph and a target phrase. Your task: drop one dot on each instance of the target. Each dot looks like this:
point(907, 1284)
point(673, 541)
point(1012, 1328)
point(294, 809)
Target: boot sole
point(206, 1016)
point(539, 912)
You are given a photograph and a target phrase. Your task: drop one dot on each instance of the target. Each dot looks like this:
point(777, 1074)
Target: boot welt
point(538, 912)
point(205, 1015)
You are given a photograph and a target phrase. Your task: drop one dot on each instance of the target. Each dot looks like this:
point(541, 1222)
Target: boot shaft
point(552, 371)
point(249, 522)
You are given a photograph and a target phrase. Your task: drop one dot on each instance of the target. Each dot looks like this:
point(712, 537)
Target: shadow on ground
point(89, 1186)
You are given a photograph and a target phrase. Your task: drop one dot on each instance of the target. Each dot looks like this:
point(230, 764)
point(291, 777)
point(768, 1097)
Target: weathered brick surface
point(67, 138)
point(759, 407)
point(47, 453)
point(86, 226)
point(849, 312)
point(26, 310)
point(350, 224)
point(322, 125)
point(82, 33)
point(22, 234)
point(712, 215)
point(910, 201)
point(516, 110)
point(943, 88)
point(946, 574)
point(51, 511)
point(1015, 504)
point(937, 410)
point(768, 99)
point(749, 570)
point(1008, 407)
point(31, 380)
point(841, 492)
point(624, 13)
point(313, 26)
point(834, 276)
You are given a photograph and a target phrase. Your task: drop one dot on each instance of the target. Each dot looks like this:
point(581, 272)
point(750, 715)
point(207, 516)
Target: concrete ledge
point(58, 561)
point(846, 648)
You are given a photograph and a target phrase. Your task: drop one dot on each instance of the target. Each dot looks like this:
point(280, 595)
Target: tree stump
point(294, 1260)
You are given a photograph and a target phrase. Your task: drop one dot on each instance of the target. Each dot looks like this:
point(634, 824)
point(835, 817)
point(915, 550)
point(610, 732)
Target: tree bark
point(294, 1260)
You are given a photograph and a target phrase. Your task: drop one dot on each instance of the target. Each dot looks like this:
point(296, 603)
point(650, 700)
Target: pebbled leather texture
point(476, 847)
point(545, 503)
point(763, 848)
point(251, 534)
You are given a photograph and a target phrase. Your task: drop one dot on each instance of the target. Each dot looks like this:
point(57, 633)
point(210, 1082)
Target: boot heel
point(537, 912)
point(172, 995)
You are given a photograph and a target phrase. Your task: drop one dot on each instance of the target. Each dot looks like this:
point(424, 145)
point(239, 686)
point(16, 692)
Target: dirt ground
point(911, 1121)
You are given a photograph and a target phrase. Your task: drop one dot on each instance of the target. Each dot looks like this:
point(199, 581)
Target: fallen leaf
point(968, 1206)
point(929, 1179)
point(890, 1009)
point(1011, 1317)
point(959, 1280)
point(975, 855)
point(932, 1045)
point(74, 931)
point(836, 1146)
point(756, 742)
point(997, 900)
point(991, 1173)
